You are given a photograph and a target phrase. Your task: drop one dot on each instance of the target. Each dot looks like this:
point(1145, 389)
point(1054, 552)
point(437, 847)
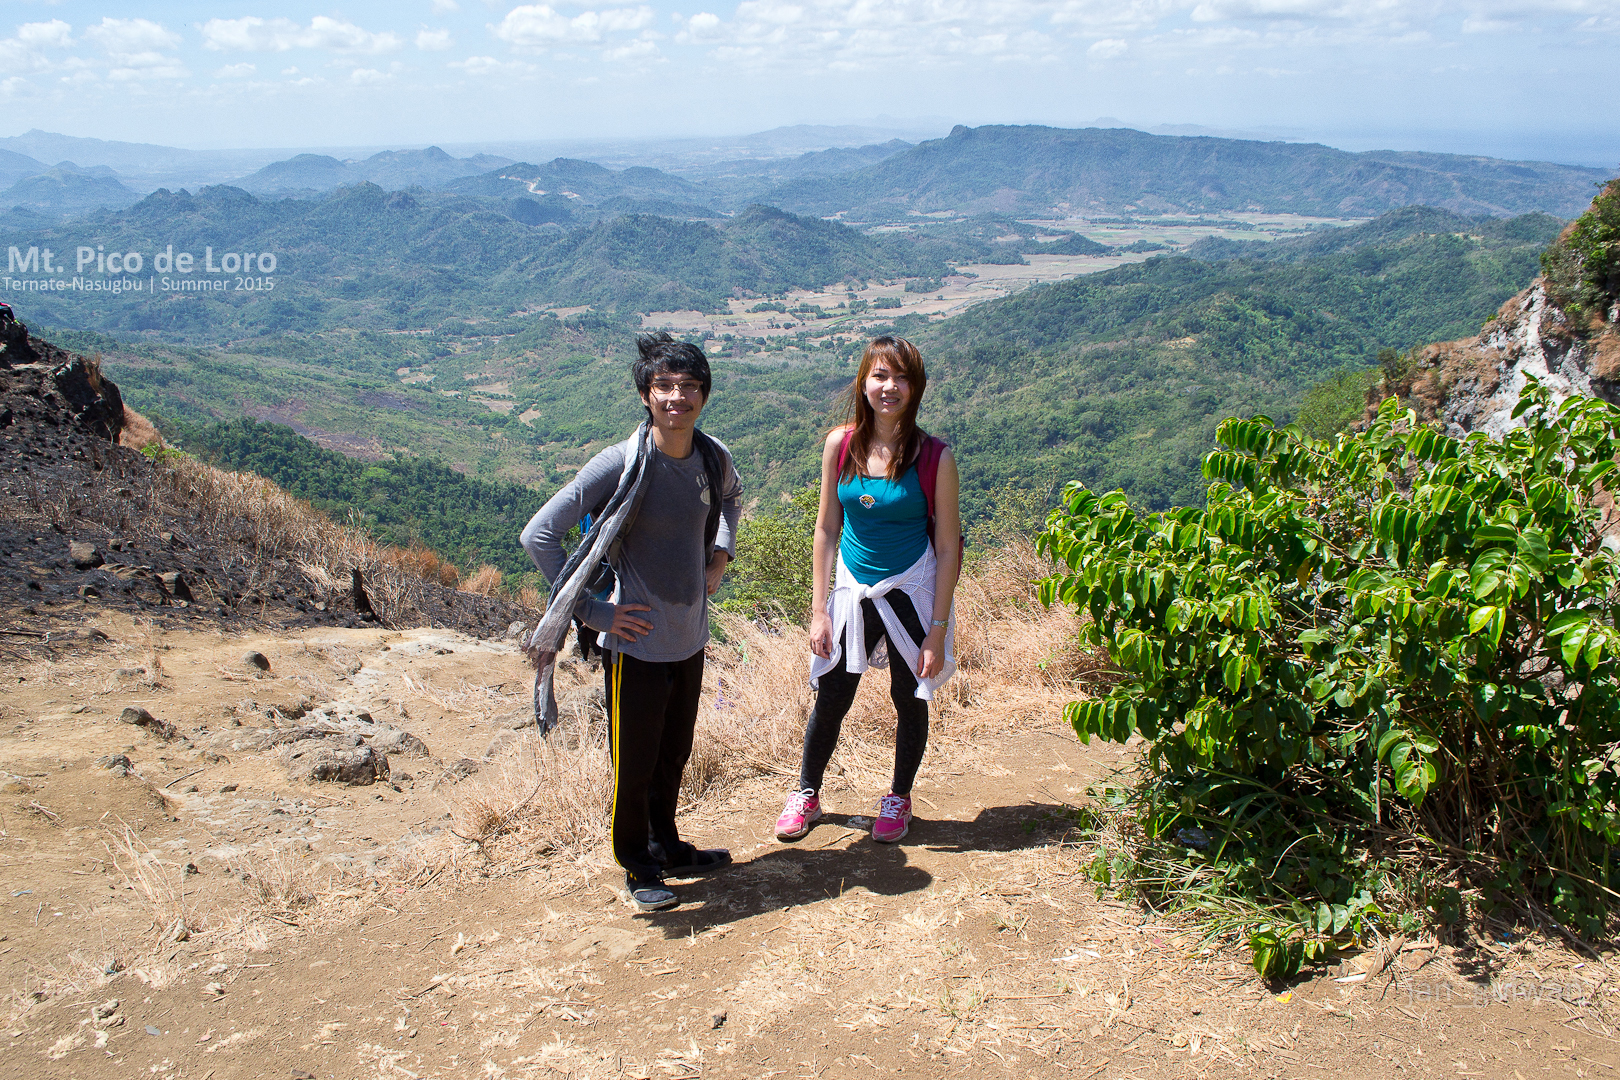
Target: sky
point(1511, 78)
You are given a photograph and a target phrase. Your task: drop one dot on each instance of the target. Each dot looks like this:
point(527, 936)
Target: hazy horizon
point(1502, 78)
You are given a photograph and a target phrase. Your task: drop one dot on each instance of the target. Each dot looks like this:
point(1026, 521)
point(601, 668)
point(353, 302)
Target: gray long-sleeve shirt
point(662, 561)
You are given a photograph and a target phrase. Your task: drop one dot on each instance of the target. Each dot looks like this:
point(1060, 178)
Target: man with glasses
point(667, 559)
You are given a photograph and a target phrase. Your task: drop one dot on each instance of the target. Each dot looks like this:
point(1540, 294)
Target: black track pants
point(836, 694)
point(652, 709)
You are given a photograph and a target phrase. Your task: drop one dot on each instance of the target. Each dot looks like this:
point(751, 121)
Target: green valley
point(1117, 378)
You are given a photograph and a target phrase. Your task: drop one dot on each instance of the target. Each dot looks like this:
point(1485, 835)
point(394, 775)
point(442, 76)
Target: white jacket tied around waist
point(849, 622)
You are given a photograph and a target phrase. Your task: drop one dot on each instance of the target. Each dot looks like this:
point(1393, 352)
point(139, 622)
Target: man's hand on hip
point(626, 625)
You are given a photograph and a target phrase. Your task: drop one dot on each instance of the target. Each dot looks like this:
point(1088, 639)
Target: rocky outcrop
point(1473, 384)
point(90, 524)
point(37, 378)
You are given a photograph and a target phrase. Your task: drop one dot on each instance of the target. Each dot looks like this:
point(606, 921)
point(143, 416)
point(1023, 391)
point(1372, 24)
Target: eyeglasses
point(684, 388)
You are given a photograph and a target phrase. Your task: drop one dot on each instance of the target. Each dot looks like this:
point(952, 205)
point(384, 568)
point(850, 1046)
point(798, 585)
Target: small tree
point(1394, 634)
point(772, 575)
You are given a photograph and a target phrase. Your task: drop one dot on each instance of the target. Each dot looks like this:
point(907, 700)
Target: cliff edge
point(1564, 330)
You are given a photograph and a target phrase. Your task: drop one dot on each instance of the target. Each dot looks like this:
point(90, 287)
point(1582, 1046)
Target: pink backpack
point(927, 477)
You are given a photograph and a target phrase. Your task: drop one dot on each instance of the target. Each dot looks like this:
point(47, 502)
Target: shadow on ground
point(1000, 828)
point(820, 867)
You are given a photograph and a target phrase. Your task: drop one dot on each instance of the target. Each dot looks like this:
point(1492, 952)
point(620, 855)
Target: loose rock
point(84, 555)
point(357, 767)
point(118, 764)
point(142, 719)
point(395, 741)
point(256, 660)
point(174, 583)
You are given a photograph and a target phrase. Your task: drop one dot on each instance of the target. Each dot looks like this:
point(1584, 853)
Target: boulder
point(174, 583)
point(357, 767)
point(84, 555)
point(256, 660)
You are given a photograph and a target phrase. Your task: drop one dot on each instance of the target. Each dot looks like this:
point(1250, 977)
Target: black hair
point(661, 354)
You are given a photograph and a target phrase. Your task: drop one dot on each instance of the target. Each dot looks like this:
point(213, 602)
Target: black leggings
point(837, 693)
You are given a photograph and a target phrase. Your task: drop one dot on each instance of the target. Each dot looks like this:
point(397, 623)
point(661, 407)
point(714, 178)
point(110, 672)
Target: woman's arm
point(829, 524)
point(947, 557)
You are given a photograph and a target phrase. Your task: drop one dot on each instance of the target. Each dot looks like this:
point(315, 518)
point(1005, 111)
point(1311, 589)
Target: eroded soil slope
point(215, 913)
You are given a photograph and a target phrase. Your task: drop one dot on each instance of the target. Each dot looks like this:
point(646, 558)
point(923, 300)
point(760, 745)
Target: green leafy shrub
point(1583, 265)
point(1396, 642)
point(772, 575)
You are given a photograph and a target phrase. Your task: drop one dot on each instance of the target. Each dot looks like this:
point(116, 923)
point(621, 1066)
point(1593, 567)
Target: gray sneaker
point(653, 896)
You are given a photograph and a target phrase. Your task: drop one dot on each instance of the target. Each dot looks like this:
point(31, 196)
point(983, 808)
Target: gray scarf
point(573, 580)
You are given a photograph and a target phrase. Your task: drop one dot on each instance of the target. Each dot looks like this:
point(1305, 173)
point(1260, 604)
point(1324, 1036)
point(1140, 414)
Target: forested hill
point(1118, 379)
point(402, 500)
point(364, 258)
point(1058, 172)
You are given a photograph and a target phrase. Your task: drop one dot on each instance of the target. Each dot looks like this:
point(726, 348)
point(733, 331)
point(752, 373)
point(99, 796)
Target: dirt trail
point(976, 944)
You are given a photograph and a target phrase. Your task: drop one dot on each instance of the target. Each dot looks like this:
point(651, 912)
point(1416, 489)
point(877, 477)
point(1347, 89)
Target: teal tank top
point(885, 525)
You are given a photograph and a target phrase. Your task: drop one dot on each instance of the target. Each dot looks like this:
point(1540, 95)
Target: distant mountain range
point(394, 170)
point(1058, 172)
point(1010, 171)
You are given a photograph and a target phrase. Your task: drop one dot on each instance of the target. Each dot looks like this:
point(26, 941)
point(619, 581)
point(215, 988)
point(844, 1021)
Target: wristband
point(942, 622)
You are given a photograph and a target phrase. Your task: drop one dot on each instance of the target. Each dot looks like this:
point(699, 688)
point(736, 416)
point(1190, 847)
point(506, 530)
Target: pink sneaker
point(803, 809)
point(893, 820)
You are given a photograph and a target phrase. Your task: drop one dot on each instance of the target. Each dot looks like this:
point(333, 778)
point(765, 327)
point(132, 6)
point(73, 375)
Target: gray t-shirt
point(662, 561)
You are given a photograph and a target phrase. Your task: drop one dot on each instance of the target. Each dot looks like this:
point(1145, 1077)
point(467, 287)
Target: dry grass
point(485, 581)
point(1017, 665)
point(546, 796)
point(139, 432)
point(250, 509)
point(424, 563)
point(175, 916)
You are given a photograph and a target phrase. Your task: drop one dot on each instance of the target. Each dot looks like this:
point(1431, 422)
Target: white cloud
point(368, 77)
point(136, 49)
point(854, 34)
point(445, 7)
point(635, 50)
point(434, 40)
point(1095, 15)
point(1107, 49)
point(29, 49)
point(703, 26)
point(235, 71)
point(539, 26)
point(488, 65)
point(131, 37)
point(253, 34)
point(55, 34)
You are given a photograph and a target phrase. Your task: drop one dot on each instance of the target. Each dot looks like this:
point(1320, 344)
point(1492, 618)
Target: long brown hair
point(901, 356)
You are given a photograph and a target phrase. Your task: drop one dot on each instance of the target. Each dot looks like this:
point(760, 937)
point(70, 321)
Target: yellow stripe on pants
point(613, 803)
